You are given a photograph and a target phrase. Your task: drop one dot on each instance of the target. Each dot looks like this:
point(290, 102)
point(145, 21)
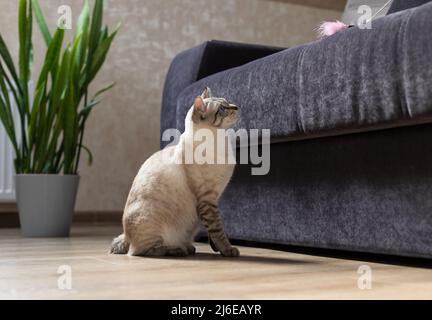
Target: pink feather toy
point(329, 28)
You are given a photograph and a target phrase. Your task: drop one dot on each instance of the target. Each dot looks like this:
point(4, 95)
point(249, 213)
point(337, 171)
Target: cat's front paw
point(230, 252)
point(213, 246)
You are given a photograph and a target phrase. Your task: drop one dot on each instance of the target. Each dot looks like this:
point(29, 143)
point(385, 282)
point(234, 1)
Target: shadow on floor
point(204, 256)
point(251, 259)
point(319, 252)
point(339, 254)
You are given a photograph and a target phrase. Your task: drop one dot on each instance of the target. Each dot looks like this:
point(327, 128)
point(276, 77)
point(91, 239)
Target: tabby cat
point(169, 197)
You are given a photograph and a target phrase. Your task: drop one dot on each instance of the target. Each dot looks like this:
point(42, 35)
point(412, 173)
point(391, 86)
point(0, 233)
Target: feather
point(329, 28)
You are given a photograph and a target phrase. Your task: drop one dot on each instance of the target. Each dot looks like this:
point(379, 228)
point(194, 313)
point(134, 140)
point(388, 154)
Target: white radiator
point(7, 154)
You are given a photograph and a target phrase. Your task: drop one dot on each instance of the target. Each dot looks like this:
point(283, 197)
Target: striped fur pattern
point(170, 198)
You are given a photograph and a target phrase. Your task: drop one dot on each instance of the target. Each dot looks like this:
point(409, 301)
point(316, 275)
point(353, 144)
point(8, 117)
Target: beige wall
point(124, 130)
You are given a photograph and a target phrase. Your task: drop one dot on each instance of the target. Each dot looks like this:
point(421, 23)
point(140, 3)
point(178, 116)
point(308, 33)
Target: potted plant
point(48, 135)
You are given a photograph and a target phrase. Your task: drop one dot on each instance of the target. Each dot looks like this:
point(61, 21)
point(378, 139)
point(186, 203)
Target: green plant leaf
point(83, 32)
point(6, 103)
point(5, 55)
point(96, 25)
point(75, 60)
point(83, 19)
point(61, 81)
point(4, 85)
point(7, 119)
point(41, 136)
point(84, 113)
point(104, 89)
point(25, 29)
point(22, 28)
point(93, 42)
point(41, 22)
point(69, 130)
point(103, 34)
point(51, 59)
point(100, 55)
point(89, 154)
point(54, 152)
point(29, 44)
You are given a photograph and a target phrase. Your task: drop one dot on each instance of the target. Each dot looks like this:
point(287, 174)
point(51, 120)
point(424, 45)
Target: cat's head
point(215, 112)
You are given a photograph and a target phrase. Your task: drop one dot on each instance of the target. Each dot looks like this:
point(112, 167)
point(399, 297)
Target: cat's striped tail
point(119, 245)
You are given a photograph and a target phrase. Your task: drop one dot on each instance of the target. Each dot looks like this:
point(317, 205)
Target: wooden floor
point(29, 268)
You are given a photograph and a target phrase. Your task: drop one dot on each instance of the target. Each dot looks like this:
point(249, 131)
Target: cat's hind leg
point(161, 250)
point(119, 245)
point(190, 249)
point(158, 249)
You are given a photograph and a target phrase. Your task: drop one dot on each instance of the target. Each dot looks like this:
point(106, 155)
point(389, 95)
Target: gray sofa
point(351, 135)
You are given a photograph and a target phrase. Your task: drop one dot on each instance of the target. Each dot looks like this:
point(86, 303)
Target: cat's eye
point(221, 110)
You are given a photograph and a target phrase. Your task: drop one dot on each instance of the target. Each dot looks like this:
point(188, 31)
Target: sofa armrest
point(199, 62)
point(223, 55)
point(182, 72)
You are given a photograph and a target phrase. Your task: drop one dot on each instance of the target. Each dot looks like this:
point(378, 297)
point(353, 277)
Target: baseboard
point(8, 207)
point(9, 220)
point(9, 216)
point(98, 217)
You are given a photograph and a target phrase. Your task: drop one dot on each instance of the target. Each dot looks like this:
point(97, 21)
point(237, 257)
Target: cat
point(169, 197)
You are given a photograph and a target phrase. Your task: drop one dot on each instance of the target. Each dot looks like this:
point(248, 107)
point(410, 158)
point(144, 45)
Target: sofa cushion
point(356, 80)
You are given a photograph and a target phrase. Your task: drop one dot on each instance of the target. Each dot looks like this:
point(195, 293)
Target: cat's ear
point(199, 105)
point(207, 93)
point(199, 109)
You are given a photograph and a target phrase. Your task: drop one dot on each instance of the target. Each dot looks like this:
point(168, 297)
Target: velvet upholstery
point(367, 192)
point(354, 81)
point(399, 5)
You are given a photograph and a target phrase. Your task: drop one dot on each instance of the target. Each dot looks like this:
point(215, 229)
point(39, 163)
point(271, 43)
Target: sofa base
point(367, 192)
